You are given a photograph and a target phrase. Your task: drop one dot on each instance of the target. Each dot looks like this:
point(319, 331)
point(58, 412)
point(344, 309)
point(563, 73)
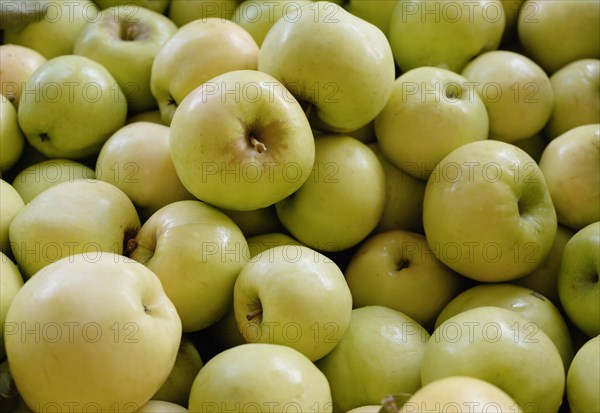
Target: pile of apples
point(300, 206)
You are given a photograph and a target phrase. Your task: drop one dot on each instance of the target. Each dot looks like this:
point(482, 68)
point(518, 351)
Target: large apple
point(487, 212)
point(340, 94)
point(241, 141)
point(11, 282)
point(444, 33)
point(85, 216)
point(583, 378)
point(502, 347)
point(260, 377)
point(11, 204)
point(69, 106)
point(377, 12)
point(578, 285)
point(126, 40)
point(311, 317)
point(197, 252)
point(102, 328)
point(12, 140)
point(17, 63)
point(405, 133)
point(182, 12)
point(571, 166)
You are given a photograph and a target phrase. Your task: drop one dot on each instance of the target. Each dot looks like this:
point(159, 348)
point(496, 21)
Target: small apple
point(262, 242)
point(147, 116)
point(533, 145)
point(11, 204)
point(160, 406)
point(377, 12)
point(182, 12)
point(159, 6)
point(102, 328)
point(15, 15)
point(256, 221)
point(583, 378)
point(11, 282)
point(260, 377)
point(512, 8)
point(578, 285)
point(369, 408)
point(12, 141)
point(17, 63)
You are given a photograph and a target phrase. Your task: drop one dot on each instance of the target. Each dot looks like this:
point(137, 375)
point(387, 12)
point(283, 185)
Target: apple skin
point(161, 406)
point(502, 347)
point(182, 12)
point(159, 6)
point(256, 221)
point(578, 285)
point(260, 377)
point(346, 186)
point(11, 204)
point(571, 166)
point(11, 282)
point(129, 352)
point(377, 12)
point(583, 378)
point(12, 140)
point(146, 116)
point(405, 133)
point(62, 115)
point(487, 212)
point(82, 216)
point(576, 101)
point(255, 142)
point(17, 63)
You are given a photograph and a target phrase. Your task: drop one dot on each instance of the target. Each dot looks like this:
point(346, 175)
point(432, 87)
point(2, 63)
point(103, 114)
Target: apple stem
point(389, 405)
point(253, 314)
point(130, 32)
point(258, 145)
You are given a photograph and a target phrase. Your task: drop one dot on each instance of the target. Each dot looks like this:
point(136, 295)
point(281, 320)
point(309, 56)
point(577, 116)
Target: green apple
point(556, 33)
point(487, 212)
point(377, 12)
point(11, 205)
point(405, 133)
point(176, 389)
point(197, 252)
point(380, 354)
point(65, 19)
point(159, 6)
point(146, 116)
point(160, 406)
point(576, 101)
point(12, 141)
point(533, 145)
point(463, 393)
point(516, 91)
point(571, 166)
point(261, 378)
point(126, 40)
point(369, 408)
point(342, 200)
point(578, 285)
point(500, 346)
point(69, 107)
point(137, 160)
point(17, 63)
point(256, 221)
point(512, 8)
point(262, 242)
point(15, 16)
point(85, 216)
point(11, 282)
point(185, 11)
point(108, 336)
point(34, 179)
point(444, 33)
point(527, 303)
point(583, 378)
point(178, 68)
point(397, 269)
point(340, 94)
point(241, 141)
point(292, 295)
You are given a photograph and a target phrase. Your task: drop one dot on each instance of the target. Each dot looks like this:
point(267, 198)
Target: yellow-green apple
point(380, 354)
point(241, 141)
point(405, 133)
point(369, 408)
point(185, 11)
point(17, 15)
point(34, 179)
point(137, 159)
point(178, 68)
point(340, 94)
point(176, 389)
point(311, 317)
point(502, 347)
point(70, 106)
point(11, 204)
point(403, 209)
point(258, 16)
point(556, 33)
point(197, 252)
point(11, 282)
point(461, 394)
point(159, 6)
point(161, 406)
point(102, 328)
point(487, 212)
point(444, 33)
point(260, 377)
point(533, 145)
point(12, 141)
point(17, 63)
point(578, 285)
point(576, 98)
point(256, 221)
point(377, 12)
point(65, 19)
point(125, 40)
point(84, 216)
point(262, 242)
point(146, 116)
point(516, 91)
point(342, 200)
point(583, 378)
point(571, 166)
point(533, 306)
point(397, 269)
point(512, 8)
